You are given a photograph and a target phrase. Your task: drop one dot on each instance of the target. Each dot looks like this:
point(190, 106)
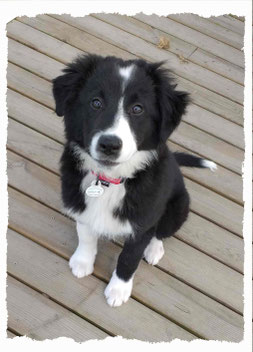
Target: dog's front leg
point(82, 261)
point(120, 286)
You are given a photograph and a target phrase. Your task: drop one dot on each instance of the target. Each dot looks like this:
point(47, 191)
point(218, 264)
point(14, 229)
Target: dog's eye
point(137, 109)
point(96, 104)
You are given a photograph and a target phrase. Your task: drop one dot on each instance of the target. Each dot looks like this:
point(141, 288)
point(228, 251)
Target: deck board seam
point(55, 301)
point(208, 35)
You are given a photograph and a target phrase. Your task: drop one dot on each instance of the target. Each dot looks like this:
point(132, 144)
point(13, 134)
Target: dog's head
point(113, 108)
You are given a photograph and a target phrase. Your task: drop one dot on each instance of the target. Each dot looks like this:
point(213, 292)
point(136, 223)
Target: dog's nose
point(109, 144)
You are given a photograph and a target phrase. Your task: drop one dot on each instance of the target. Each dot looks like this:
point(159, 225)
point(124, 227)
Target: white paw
point(81, 266)
point(118, 291)
point(154, 251)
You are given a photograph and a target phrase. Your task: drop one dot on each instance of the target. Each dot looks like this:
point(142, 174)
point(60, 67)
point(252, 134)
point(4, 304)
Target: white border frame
point(11, 9)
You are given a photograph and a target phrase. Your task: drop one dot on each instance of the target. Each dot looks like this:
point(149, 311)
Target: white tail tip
point(209, 164)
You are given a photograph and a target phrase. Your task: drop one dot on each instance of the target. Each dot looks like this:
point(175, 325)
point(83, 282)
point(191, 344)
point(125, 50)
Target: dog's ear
point(67, 86)
point(171, 103)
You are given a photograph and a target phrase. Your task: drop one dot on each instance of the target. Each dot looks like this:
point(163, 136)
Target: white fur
point(82, 261)
point(126, 73)
point(118, 291)
point(98, 214)
point(138, 161)
point(154, 251)
point(209, 164)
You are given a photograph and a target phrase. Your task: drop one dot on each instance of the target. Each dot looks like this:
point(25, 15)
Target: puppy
point(118, 176)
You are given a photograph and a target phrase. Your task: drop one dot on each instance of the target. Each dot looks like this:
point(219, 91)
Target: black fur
point(156, 201)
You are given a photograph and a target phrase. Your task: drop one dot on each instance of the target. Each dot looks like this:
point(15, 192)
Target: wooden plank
point(73, 36)
point(230, 157)
point(30, 85)
point(43, 150)
point(209, 28)
point(215, 125)
point(45, 187)
point(34, 315)
point(205, 202)
point(221, 66)
point(30, 59)
point(178, 46)
point(157, 289)
point(35, 115)
point(10, 334)
point(194, 37)
point(229, 23)
point(50, 274)
point(34, 180)
point(42, 42)
point(216, 208)
point(210, 146)
point(189, 71)
point(200, 95)
point(223, 181)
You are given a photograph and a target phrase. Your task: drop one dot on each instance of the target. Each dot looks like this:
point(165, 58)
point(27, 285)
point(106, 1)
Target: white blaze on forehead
point(122, 130)
point(125, 73)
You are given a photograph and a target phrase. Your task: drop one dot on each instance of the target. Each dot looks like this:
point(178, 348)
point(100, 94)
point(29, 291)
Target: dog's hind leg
point(176, 213)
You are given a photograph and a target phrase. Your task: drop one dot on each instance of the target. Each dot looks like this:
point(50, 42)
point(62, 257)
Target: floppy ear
point(67, 86)
point(171, 103)
point(172, 106)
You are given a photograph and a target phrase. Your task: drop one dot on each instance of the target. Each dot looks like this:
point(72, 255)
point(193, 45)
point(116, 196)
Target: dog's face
point(114, 108)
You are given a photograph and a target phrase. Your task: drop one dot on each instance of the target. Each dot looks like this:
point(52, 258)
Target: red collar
point(107, 180)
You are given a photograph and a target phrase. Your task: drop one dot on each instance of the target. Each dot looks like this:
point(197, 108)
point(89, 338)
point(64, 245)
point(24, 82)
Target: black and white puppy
point(118, 176)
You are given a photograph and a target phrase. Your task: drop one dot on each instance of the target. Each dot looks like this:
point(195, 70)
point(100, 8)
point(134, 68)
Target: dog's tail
point(185, 159)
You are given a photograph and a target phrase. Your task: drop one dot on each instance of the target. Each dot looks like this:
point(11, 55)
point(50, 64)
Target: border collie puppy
point(118, 176)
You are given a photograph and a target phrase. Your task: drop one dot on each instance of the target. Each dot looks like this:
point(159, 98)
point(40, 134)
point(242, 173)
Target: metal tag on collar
point(95, 189)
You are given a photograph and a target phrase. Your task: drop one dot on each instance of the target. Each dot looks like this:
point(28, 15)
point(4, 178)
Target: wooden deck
point(196, 290)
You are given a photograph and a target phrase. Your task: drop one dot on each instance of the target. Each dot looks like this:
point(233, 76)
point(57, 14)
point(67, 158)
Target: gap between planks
point(44, 318)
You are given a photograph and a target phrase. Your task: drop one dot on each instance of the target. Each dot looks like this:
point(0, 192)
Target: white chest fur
point(98, 214)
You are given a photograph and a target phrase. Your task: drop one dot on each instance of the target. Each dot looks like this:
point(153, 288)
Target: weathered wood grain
point(194, 37)
point(229, 22)
point(34, 315)
point(209, 28)
point(50, 274)
point(159, 290)
point(24, 140)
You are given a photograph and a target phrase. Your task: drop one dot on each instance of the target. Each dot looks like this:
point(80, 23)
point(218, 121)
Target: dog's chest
point(99, 211)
